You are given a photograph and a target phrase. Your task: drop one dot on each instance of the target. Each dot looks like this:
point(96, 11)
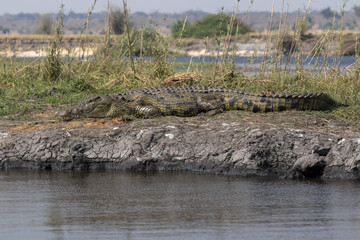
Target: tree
point(210, 26)
point(301, 27)
point(46, 24)
point(328, 13)
point(117, 20)
point(176, 28)
point(4, 30)
point(357, 10)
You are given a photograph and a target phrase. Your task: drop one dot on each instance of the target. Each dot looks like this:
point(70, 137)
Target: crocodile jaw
point(65, 115)
point(93, 107)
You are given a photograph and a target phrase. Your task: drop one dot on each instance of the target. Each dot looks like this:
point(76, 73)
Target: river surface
point(315, 63)
point(120, 205)
point(252, 65)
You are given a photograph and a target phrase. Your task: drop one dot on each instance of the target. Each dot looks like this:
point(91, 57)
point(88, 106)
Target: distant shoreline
point(34, 46)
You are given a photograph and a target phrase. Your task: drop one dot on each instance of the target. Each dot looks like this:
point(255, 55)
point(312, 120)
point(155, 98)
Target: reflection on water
point(118, 205)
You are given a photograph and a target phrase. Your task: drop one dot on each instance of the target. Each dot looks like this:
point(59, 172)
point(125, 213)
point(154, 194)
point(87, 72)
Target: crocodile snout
point(65, 115)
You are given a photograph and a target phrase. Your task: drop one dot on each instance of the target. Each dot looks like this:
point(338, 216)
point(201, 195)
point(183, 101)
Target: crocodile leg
point(118, 109)
point(147, 112)
point(210, 104)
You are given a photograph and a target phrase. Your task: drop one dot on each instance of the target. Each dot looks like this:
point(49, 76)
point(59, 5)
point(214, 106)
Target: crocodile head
point(93, 107)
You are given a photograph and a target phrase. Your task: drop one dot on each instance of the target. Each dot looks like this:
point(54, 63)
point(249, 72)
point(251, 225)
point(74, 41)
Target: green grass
point(27, 87)
point(25, 91)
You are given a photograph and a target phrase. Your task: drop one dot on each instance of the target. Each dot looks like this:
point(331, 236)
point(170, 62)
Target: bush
point(46, 24)
point(53, 62)
point(117, 20)
point(328, 13)
point(210, 26)
point(176, 28)
point(357, 10)
point(4, 30)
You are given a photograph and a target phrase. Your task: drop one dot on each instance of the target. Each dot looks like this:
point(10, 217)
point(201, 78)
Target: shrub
point(53, 62)
point(117, 20)
point(357, 10)
point(45, 24)
point(328, 13)
point(211, 26)
point(176, 28)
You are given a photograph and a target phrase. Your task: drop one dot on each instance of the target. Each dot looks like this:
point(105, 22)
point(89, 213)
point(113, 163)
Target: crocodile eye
point(94, 99)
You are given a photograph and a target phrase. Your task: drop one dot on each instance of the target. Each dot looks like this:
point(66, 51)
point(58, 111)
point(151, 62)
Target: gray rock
point(227, 149)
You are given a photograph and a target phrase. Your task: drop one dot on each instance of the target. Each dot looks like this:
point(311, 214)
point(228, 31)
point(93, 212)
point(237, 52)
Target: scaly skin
point(191, 101)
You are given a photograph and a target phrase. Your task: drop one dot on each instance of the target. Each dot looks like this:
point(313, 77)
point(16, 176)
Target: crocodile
point(191, 101)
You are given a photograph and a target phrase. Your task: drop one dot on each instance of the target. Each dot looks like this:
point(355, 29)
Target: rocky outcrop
point(214, 147)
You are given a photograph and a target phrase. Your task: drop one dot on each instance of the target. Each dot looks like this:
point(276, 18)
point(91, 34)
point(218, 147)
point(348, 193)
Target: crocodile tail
point(284, 102)
point(320, 101)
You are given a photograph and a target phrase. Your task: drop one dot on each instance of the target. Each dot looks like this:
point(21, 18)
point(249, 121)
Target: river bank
point(253, 44)
point(281, 145)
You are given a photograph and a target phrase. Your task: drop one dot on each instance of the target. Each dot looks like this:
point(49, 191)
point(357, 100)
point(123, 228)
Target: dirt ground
point(314, 121)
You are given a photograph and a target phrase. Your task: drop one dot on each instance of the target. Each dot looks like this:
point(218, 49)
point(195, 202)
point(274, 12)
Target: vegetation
point(55, 82)
point(28, 23)
point(45, 23)
point(177, 27)
point(4, 30)
point(117, 18)
point(357, 10)
point(328, 13)
point(53, 65)
point(210, 26)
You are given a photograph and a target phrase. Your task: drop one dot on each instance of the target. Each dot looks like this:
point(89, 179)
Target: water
point(307, 62)
point(119, 205)
point(242, 62)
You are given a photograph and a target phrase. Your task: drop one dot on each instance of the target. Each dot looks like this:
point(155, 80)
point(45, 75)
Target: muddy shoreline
point(232, 144)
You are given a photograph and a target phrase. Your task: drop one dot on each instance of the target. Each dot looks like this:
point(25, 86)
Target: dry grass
point(23, 87)
point(51, 124)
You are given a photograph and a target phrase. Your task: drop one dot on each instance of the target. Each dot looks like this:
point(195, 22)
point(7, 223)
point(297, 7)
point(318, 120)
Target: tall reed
point(53, 65)
point(127, 30)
